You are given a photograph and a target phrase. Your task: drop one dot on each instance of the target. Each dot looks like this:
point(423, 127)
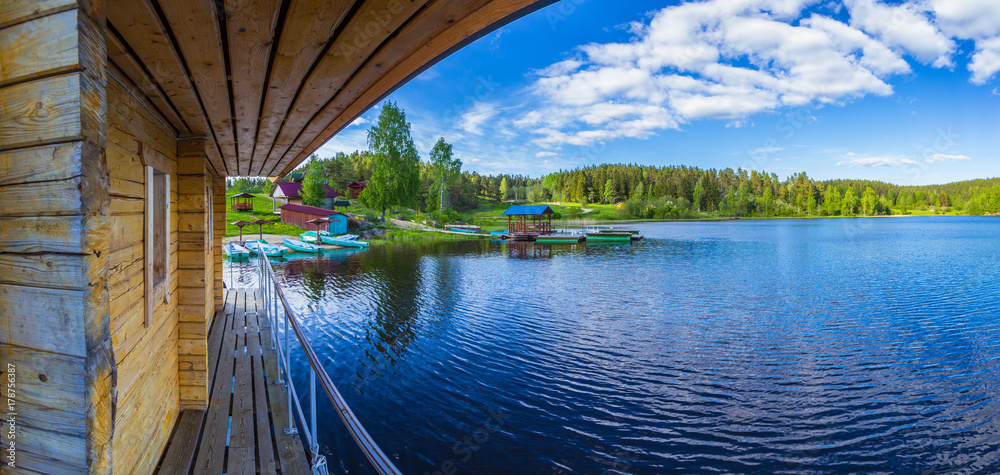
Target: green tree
point(314, 184)
point(395, 178)
point(850, 202)
point(869, 200)
point(699, 193)
point(767, 202)
point(609, 191)
point(445, 169)
point(639, 193)
point(831, 200)
point(504, 189)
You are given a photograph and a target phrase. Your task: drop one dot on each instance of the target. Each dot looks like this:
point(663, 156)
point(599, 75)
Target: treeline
point(659, 192)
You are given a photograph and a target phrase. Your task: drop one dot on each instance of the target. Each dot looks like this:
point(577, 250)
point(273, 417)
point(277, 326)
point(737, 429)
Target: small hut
point(241, 202)
point(534, 219)
point(300, 215)
point(356, 187)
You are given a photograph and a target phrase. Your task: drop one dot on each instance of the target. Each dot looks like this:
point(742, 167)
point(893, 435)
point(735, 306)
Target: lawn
point(261, 210)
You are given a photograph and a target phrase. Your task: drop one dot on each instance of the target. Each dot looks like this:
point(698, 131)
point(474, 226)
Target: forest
point(397, 176)
point(670, 192)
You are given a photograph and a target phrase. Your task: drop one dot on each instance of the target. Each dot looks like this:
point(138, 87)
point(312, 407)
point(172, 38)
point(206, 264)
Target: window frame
point(157, 172)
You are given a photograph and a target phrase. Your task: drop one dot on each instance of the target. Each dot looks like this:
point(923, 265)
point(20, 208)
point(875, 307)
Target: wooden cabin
point(533, 219)
point(299, 215)
point(121, 120)
point(356, 187)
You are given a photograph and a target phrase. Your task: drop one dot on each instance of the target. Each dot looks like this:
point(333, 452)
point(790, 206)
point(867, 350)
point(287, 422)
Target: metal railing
point(276, 305)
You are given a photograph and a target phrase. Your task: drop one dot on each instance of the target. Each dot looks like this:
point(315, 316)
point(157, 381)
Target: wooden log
point(17, 11)
point(40, 164)
point(54, 271)
point(40, 318)
point(126, 68)
point(41, 235)
point(42, 47)
point(45, 111)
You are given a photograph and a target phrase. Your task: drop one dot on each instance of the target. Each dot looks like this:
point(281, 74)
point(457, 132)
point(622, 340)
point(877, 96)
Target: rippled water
point(742, 346)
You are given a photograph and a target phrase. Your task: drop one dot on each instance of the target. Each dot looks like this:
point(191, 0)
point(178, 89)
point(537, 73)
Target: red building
point(356, 187)
point(298, 215)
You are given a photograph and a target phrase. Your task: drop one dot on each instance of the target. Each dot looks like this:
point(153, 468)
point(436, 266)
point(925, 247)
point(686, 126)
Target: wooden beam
point(430, 23)
point(366, 30)
point(130, 67)
point(251, 25)
point(308, 28)
point(139, 25)
point(20, 11)
point(195, 24)
point(482, 21)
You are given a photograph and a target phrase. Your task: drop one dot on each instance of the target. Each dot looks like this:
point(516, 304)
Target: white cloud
point(972, 19)
point(472, 120)
point(940, 157)
point(545, 154)
point(716, 59)
point(906, 27)
point(872, 162)
point(986, 61)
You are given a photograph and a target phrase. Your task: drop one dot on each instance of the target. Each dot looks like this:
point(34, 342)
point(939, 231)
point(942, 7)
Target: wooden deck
point(242, 432)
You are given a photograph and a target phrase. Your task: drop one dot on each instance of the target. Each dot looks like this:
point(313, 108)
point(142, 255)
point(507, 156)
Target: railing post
point(312, 411)
point(288, 374)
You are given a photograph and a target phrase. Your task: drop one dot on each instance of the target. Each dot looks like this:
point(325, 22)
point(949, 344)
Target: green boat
point(620, 230)
point(559, 239)
point(263, 247)
point(300, 246)
point(311, 237)
point(602, 236)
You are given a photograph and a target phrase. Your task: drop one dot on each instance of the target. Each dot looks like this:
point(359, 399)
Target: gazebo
point(241, 202)
point(534, 219)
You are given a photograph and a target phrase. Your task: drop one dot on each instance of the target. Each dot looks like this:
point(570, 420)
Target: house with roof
point(356, 187)
point(291, 193)
point(300, 215)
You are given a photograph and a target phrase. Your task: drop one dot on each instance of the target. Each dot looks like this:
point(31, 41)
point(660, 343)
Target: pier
point(244, 389)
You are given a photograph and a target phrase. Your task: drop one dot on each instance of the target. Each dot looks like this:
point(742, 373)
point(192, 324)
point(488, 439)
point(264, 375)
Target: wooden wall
point(54, 250)
point(146, 357)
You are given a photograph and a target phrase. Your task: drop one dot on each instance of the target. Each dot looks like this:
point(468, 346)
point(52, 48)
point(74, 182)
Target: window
point(157, 234)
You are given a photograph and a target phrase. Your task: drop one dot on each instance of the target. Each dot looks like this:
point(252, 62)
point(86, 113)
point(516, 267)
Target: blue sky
point(899, 91)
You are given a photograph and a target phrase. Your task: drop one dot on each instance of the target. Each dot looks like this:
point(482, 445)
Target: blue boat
point(263, 247)
point(300, 246)
point(347, 240)
point(235, 251)
point(463, 230)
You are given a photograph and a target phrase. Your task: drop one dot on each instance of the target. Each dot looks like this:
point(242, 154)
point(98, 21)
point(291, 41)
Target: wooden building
point(356, 187)
point(534, 219)
point(299, 215)
point(121, 120)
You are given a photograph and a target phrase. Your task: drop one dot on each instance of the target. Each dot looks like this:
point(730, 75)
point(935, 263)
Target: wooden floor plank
point(180, 454)
point(212, 450)
point(291, 454)
point(257, 403)
point(265, 450)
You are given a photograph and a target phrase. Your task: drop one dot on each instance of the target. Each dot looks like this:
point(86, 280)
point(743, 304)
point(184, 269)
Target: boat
point(300, 246)
point(619, 229)
point(311, 237)
point(560, 238)
point(235, 251)
point(346, 240)
point(608, 236)
point(463, 230)
point(263, 247)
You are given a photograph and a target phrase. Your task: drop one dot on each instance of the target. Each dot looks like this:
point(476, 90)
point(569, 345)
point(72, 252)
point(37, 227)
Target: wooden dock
point(242, 432)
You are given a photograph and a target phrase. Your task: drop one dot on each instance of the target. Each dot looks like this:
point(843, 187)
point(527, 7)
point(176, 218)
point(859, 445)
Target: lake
point(783, 346)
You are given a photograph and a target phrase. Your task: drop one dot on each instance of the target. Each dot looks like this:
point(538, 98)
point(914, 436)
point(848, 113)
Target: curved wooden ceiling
point(268, 81)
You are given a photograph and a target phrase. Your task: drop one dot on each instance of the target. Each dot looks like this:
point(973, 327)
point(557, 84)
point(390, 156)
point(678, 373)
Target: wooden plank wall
point(219, 231)
point(197, 279)
point(54, 203)
point(147, 357)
